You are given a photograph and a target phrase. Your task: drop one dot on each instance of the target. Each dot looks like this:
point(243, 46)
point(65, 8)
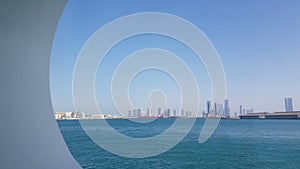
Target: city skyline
point(212, 110)
point(257, 49)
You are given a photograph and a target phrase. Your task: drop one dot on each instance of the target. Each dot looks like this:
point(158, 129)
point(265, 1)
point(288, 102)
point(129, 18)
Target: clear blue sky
point(258, 42)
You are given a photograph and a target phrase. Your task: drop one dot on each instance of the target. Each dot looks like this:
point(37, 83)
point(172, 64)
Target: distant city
point(213, 110)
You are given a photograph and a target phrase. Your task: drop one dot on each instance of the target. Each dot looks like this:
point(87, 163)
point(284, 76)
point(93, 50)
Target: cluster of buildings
point(82, 115)
point(213, 110)
point(289, 113)
point(68, 115)
point(217, 110)
point(165, 113)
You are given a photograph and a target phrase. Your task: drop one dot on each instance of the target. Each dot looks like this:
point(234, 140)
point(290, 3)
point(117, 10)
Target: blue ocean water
point(236, 144)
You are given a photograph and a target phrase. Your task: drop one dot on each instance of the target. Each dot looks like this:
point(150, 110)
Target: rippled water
point(241, 144)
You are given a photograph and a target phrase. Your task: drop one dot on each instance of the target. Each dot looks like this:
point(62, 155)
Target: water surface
point(241, 144)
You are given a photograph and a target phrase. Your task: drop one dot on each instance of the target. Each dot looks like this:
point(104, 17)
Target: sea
point(235, 144)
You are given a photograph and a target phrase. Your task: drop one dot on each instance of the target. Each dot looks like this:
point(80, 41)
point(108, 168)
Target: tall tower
point(159, 111)
point(215, 110)
point(182, 113)
point(174, 113)
point(226, 108)
point(208, 107)
point(148, 112)
point(220, 109)
point(288, 104)
point(241, 110)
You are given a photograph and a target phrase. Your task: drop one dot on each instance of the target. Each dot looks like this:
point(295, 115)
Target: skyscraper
point(167, 112)
point(217, 109)
point(182, 113)
point(220, 109)
point(288, 104)
point(226, 108)
point(137, 112)
point(129, 113)
point(159, 112)
point(208, 107)
point(241, 110)
point(148, 112)
point(174, 113)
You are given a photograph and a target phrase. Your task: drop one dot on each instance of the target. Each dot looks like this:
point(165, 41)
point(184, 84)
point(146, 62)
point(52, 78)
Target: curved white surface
point(30, 137)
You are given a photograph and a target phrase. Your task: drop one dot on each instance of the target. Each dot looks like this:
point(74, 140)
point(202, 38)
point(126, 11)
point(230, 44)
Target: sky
point(257, 41)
